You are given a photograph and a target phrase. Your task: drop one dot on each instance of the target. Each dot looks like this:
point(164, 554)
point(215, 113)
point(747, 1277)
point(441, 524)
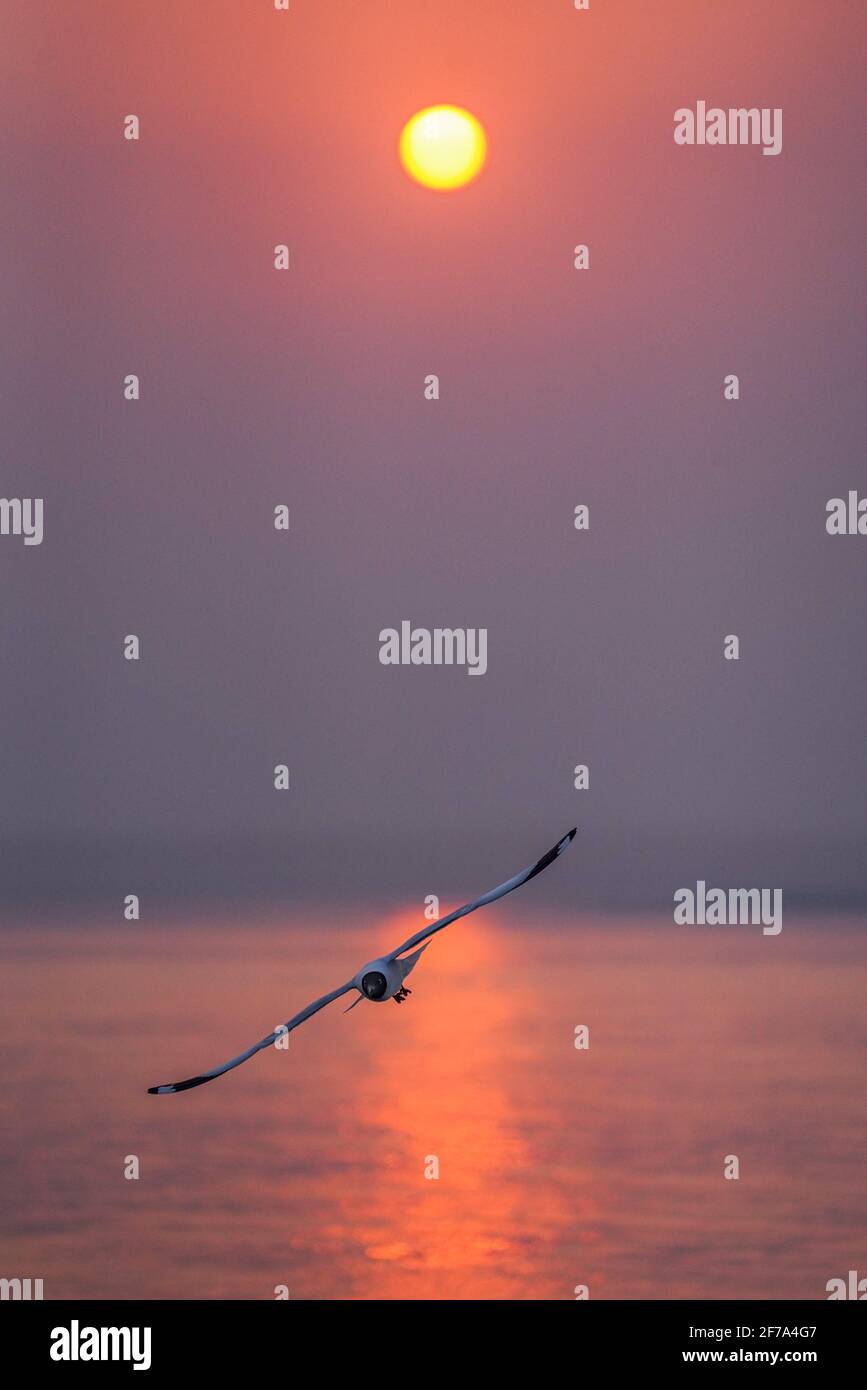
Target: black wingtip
point(553, 853)
point(178, 1086)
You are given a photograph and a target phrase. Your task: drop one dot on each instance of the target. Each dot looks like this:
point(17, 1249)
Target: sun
point(443, 147)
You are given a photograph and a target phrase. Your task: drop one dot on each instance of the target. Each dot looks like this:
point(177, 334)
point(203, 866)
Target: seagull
point(380, 979)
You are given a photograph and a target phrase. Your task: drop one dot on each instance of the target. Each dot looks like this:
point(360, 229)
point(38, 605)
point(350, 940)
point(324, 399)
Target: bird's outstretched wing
point(257, 1047)
point(504, 888)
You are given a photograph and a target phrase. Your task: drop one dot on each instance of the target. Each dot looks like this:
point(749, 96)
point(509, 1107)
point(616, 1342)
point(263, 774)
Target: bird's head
point(378, 980)
point(374, 984)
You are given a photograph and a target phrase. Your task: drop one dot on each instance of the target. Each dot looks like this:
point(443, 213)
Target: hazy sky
point(558, 387)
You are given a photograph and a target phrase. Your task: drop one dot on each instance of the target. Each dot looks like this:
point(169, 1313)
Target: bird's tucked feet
point(401, 994)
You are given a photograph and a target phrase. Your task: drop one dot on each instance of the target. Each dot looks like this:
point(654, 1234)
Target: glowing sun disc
point(443, 147)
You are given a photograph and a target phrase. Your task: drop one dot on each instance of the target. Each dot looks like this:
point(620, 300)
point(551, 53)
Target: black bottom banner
point(167, 1338)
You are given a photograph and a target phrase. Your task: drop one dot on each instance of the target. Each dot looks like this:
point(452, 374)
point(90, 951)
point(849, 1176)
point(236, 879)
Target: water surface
point(557, 1167)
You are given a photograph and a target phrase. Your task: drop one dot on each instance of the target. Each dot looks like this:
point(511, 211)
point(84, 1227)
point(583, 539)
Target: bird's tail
point(408, 962)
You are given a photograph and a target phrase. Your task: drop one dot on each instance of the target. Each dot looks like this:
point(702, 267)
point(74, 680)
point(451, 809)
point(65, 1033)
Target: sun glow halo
point(443, 147)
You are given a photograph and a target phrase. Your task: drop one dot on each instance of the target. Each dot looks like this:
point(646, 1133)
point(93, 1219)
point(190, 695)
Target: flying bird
point(380, 979)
